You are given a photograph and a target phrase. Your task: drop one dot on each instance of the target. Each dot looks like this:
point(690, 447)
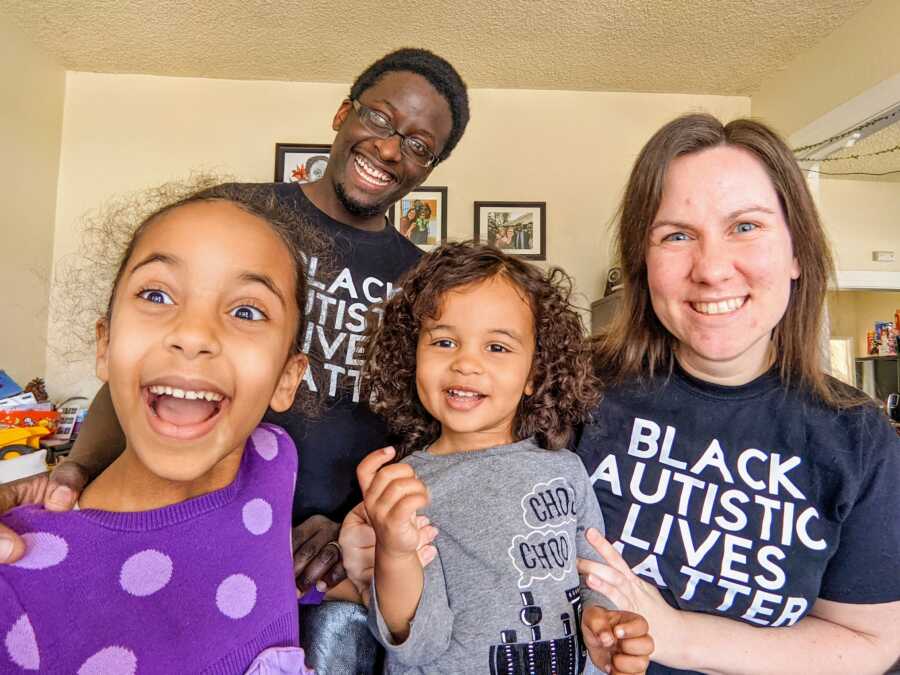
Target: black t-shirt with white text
point(749, 502)
point(361, 271)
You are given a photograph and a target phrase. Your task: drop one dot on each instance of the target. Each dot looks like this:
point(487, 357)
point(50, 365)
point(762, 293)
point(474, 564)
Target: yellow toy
point(28, 436)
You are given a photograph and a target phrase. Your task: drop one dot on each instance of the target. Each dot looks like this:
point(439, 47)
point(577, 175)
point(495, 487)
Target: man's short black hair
point(439, 73)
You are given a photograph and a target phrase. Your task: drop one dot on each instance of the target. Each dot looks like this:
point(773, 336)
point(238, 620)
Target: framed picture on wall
point(519, 228)
point(300, 163)
point(421, 216)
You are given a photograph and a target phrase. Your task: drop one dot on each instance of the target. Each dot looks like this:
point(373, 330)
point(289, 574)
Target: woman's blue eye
point(248, 313)
point(156, 296)
point(745, 227)
point(676, 236)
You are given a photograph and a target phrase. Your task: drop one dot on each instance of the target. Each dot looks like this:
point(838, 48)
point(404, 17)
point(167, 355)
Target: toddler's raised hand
point(392, 494)
point(618, 641)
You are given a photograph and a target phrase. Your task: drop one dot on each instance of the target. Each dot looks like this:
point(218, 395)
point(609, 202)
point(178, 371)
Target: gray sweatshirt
point(503, 594)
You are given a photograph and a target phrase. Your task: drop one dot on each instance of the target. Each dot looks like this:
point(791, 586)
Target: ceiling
point(875, 157)
point(724, 47)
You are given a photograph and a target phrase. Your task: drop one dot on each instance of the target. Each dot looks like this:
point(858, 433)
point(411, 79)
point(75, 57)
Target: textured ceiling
point(689, 46)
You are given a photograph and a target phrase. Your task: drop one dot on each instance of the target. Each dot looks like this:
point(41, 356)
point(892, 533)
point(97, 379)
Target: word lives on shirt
point(336, 310)
point(721, 527)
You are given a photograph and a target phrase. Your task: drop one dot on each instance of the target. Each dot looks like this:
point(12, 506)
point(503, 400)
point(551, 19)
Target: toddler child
point(178, 559)
point(481, 368)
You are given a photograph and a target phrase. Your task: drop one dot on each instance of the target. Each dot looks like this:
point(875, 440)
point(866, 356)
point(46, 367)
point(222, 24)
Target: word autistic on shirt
point(336, 312)
point(690, 515)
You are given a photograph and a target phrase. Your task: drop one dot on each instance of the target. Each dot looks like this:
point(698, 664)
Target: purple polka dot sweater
point(203, 586)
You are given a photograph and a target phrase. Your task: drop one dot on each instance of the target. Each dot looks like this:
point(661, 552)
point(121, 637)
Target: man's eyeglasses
point(411, 147)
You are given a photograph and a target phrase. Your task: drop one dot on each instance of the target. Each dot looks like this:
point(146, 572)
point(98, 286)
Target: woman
point(742, 485)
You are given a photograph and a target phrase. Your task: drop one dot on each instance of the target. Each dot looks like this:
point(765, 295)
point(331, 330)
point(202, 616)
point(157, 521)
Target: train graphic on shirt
point(561, 656)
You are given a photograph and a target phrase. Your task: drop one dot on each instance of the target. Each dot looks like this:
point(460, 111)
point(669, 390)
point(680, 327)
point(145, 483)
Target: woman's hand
point(629, 592)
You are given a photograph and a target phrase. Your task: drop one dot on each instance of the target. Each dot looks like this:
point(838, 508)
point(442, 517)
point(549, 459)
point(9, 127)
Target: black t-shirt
point(748, 502)
point(361, 272)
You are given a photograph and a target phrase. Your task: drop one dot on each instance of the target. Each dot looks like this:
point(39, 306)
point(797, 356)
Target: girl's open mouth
point(464, 398)
point(183, 413)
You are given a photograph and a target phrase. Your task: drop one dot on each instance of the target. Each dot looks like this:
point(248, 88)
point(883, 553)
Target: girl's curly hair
point(565, 388)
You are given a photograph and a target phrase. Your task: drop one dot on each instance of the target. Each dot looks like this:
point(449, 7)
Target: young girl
point(480, 367)
point(178, 559)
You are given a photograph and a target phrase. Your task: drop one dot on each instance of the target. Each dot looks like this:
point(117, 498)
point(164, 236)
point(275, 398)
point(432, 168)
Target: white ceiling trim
point(858, 109)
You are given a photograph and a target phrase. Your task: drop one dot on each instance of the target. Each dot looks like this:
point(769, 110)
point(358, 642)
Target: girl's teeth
point(190, 395)
point(464, 394)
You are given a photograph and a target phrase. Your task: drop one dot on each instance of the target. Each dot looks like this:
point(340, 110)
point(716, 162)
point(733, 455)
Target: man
point(405, 113)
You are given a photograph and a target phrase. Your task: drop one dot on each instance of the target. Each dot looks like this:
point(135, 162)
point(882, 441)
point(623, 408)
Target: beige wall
point(857, 56)
point(570, 149)
point(854, 313)
point(861, 217)
point(31, 114)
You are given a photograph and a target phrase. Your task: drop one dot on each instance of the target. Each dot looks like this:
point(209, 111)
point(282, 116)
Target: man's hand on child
point(391, 495)
point(317, 556)
point(57, 492)
point(618, 641)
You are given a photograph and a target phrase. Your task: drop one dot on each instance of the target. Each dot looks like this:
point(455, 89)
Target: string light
point(865, 125)
point(885, 151)
point(851, 173)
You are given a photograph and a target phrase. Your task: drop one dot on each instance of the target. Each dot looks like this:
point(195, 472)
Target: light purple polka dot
point(145, 573)
point(266, 443)
point(236, 596)
point(42, 550)
point(21, 644)
point(118, 660)
point(257, 515)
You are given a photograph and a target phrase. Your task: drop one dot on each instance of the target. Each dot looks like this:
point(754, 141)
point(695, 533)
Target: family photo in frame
point(421, 216)
point(517, 228)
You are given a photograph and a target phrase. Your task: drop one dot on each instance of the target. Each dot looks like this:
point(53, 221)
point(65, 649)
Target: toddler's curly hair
point(565, 388)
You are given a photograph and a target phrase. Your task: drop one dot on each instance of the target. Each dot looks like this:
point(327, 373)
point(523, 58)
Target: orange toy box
point(48, 419)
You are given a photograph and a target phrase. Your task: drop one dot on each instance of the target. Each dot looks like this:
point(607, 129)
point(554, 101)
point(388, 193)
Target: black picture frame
point(435, 199)
point(528, 241)
point(291, 158)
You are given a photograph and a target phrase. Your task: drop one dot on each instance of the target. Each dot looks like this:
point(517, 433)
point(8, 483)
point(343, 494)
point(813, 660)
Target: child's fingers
point(426, 554)
point(398, 490)
point(384, 478)
point(355, 534)
point(625, 664)
point(630, 625)
point(404, 509)
point(596, 622)
point(370, 464)
point(642, 645)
